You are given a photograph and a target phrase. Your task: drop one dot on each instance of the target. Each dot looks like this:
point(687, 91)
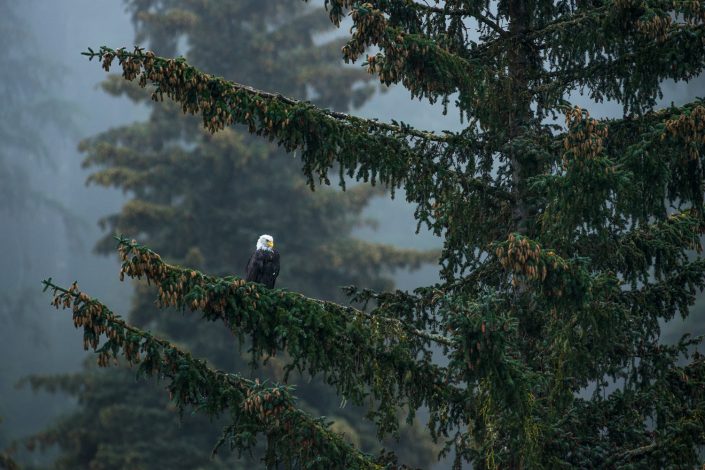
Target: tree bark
point(519, 116)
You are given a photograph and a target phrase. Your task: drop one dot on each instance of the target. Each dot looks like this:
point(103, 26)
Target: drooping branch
point(584, 19)
point(431, 168)
point(615, 176)
point(444, 68)
point(157, 68)
point(292, 435)
point(393, 154)
point(130, 247)
point(395, 26)
point(662, 300)
point(362, 354)
point(630, 454)
point(648, 251)
point(671, 35)
point(448, 10)
point(337, 9)
point(444, 71)
point(608, 73)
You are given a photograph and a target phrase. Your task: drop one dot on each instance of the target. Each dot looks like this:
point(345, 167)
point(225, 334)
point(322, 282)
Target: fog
point(46, 242)
point(56, 239)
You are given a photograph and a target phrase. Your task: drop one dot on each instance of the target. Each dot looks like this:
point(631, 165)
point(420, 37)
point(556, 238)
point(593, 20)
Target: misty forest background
point(52, 100)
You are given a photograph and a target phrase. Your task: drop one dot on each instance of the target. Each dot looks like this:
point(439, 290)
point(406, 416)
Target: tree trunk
point(519, 116)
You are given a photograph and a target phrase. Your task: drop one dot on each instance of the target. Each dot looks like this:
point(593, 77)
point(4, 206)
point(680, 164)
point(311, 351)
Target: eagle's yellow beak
point(270, 244)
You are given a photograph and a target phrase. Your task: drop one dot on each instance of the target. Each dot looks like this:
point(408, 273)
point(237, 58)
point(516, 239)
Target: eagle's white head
point(265, 242)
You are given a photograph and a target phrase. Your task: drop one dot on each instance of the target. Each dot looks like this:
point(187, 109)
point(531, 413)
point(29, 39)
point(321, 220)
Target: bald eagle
point(263, 266)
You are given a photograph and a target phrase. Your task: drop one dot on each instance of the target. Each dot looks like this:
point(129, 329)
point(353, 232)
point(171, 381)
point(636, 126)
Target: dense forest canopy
point(567, 244)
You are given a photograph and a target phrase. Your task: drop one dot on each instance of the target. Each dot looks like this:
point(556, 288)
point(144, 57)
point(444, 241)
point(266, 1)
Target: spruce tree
point(203, 200)
point(566, 246)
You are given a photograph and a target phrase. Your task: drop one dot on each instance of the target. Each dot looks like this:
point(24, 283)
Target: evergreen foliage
point(203, 200)
point(566, 246)
point(255, 408)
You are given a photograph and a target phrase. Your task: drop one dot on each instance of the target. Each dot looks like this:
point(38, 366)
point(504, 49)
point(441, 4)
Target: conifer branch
point(589, 19)
point(361, 354)
point(661, 122)
point(564, 22)
point(363, 149)
point(159, 270)
point(659, 248)
point(672, 294)
point(491, 24)
point(629, 454)
point(444, 71)
point(426, 165)
point(460, 12)
point(158, 68)
point(450, 72)
point(605, 72)
point(339, 6)
point(594, 16)
point(292, 435)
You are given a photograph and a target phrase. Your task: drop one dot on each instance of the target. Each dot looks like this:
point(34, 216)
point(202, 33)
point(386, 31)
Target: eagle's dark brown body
point(263, 267)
